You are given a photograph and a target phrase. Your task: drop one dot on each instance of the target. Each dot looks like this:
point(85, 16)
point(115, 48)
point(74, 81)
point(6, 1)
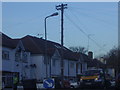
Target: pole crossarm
point(62, 6)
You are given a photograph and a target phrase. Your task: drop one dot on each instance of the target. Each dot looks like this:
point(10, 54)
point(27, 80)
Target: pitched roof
point(37, 46)
point(95, 63)
point(92, 62)
point(68, 54)
point(98, 63)
point(8, 42)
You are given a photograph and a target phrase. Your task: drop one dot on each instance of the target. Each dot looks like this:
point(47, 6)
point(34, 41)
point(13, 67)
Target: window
point(81, 68)
point(46, 60)
point(5, 55)
point(17, 56)
point(24, 57)
point(53, 62)
point(72, 65)
point(78, 66)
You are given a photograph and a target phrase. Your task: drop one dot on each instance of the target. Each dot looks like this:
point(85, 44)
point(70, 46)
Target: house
point(53, 67)
point(25, 57)
point(12, 62)
point(93, 62)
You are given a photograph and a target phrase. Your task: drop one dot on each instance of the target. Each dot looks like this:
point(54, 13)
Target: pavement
point(11, 89)
point(7, 89)
point(65, 89)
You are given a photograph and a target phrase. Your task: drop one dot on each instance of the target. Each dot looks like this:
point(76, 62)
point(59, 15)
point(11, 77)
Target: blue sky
point(99, 19)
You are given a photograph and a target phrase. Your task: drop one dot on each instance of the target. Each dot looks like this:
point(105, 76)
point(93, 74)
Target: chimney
point(90, 54)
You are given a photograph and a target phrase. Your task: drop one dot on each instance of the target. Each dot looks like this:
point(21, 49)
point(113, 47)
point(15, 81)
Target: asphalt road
point(83, 89)
point(88, 88)
point(96, 88)
point(67, 89)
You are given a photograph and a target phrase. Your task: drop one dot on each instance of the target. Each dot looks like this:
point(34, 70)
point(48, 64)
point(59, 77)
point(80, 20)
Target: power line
point(75, 15)
point(84, 32)
point(87, 14)
point(97, 11)
point(77, 18)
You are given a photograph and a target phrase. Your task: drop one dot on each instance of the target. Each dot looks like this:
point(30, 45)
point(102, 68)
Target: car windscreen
point(91, 72)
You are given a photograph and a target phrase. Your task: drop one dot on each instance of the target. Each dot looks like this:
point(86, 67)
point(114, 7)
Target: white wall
point(56, 69)
point(40, 71)
point(84, 66)
point(65, 65)
point(72, 70)
point(12, 66)
point(7, 65)
point(56, 64)
point(68, 70)
point(79, 68)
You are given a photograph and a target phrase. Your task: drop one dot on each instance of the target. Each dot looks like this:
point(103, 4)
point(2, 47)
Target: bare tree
point(78, 49)
point(113, 59)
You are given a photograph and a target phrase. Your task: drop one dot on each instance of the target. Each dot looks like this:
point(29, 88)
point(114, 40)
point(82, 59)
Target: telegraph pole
point(61, 8)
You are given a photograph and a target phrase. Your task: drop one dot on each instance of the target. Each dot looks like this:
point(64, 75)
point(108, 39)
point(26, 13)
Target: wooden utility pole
point(61, 8)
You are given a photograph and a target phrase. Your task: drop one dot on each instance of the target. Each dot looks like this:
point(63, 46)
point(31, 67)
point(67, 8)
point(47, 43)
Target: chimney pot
point(90, 54)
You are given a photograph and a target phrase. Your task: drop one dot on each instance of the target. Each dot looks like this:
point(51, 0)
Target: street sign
point(49, 83)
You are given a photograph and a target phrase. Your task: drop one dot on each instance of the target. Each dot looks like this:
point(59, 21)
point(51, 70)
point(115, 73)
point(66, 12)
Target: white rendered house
point(26, 58)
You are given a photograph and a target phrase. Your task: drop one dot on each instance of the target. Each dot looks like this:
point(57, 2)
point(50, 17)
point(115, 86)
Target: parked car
point(117, 84)
point(74, 84)
point(66, 84)
point(112, 83)
point(94, 78)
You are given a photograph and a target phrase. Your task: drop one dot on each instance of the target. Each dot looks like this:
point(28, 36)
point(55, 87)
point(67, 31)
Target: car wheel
point(72, 87)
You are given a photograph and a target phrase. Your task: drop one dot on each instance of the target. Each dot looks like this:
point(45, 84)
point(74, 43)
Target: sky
point(98, 20)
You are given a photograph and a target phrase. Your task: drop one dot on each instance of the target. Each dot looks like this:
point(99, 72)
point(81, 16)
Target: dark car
point(118, 81)
point(66, 84)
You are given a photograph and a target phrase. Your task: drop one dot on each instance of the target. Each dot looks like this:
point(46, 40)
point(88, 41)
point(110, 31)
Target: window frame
point(5, 55)
point(24, 59)
point(19, 56)
point(53, 62)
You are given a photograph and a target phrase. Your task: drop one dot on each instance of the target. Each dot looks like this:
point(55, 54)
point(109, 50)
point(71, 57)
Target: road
point(88, 88)
point(83, 89)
